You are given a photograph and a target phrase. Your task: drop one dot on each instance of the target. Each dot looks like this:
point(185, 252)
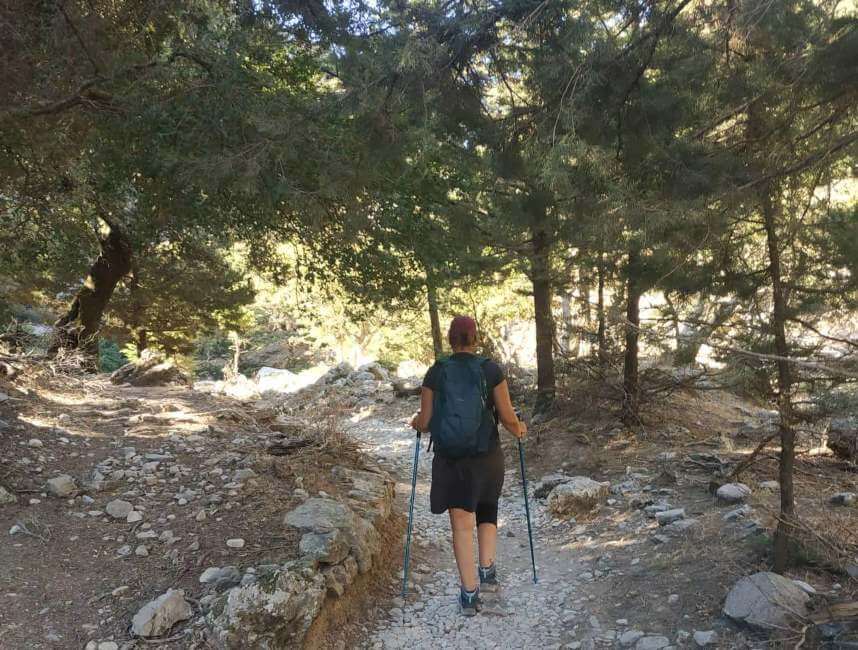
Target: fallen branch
point(747, 462)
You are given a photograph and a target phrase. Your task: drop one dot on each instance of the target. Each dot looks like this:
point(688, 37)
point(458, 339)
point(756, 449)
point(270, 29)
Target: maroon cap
point(463, 332)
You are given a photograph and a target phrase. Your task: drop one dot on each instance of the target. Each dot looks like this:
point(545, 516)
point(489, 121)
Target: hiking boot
point(469, 602)
point(489, 579)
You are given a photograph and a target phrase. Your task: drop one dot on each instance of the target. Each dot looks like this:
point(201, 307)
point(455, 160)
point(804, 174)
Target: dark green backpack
point(462, 422)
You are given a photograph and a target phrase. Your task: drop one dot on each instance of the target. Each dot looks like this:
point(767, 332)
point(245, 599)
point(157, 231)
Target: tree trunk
point(631, 383)
point(600, 312)
point(584, 340)
point(434, 321)
point(566, 316)
point(540, 267)
point(79, 327)
point(141, 340)
point(784, 534)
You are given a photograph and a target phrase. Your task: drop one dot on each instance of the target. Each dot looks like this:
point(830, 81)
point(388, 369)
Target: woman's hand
point(415, 420)
point(522, 430)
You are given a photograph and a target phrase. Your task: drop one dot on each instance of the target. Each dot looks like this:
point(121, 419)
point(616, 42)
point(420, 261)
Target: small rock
point(62, 486)
point(673, 599)
point(652, 643)
point(769, 486)
point(236, 542)
point(119, 509)
point(630, 637)
point(134, 516)
point(141, 551)
point(843, 499)
point(108, 645)
point(122, 551)
point(806, 588)
point(221, 578)
point(739, 513)
point(120, 591)
point(6, 497)
point(158, 616)
point(681, 526)
point(35, 442)
point(732, 493)
point(669, 516)
point(705, 639)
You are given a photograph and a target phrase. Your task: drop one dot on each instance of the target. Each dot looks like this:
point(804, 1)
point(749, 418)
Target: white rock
point(108, 645)
point(236, 542)
point(141, 551)
point(134, 516)
point(158, 616)
point(35, 442)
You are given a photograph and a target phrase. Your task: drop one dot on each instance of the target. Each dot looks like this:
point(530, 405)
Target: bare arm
point(506, 413)
point(424, 415)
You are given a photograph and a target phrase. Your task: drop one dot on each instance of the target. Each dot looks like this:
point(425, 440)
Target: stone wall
point(274, 605)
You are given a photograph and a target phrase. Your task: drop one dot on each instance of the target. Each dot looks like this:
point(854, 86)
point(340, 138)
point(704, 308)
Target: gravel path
point(555, 613)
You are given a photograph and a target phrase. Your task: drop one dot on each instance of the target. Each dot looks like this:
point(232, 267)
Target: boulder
point(153, 369)
point(273, 612)
point(158, 616)
point(578, 495)
point(732, 493)
point(378, 371)
point(277, 380)
point(321, 515)
point(766, 601)
point(62, 486)
point(843, 437)
point(338, 372)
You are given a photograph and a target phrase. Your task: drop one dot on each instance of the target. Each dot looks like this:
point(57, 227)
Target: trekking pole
point(410, 517)
point(526, 505)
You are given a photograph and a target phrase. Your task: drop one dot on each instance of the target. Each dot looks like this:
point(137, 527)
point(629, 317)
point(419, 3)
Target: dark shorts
point(473, 484)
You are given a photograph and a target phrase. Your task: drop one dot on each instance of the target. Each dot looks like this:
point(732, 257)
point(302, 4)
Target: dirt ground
point(586, 439)
point(62, 582)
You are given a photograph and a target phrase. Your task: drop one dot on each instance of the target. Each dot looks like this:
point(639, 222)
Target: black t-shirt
point(493, 372)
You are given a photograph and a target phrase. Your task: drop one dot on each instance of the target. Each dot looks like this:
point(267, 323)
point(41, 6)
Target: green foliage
point(110, 357)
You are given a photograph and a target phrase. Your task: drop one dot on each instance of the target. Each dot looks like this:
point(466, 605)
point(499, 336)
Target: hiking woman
point(462, 399)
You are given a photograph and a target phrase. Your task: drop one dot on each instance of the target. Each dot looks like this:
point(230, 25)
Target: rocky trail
point(577, 570)
point(520, 617)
